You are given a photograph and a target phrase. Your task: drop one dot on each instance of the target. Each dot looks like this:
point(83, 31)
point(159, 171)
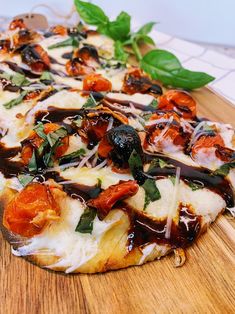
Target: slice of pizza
point(101, 167)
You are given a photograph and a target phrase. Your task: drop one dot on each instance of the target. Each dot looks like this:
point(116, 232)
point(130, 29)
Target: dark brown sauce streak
point(145, 229)
point(215, 183)
point(14, 67)
point(8, 167)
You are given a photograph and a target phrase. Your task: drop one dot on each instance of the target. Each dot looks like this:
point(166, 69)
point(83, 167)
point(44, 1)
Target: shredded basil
point(72, 157)
point(135, 163)
point(16, 101)
point(151, 192)
point(85, 224)
point(224, 169)
point(90, 103)
point(16, 79)
point(195, 185)
point(46, 76)
point(32, 166)
point(71, 41)
point(25, 179)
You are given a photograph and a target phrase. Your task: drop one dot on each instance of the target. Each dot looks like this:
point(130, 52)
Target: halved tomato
point(96, 83)
point(180, 101)
point(207, 142)
point(31, 210)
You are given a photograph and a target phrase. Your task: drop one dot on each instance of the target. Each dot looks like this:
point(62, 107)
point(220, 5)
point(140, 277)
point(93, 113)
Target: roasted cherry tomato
point(160, 132)
point(59, 30)
point(33, 94)
point(136, 81)
point(35, 141)
point(96, 83)
point(88, 56)
point(206, 142)
point(75, 68)
point(36, 57)
point(17, 23)
point(31, 210)
point(108, 198)
point(180, 101)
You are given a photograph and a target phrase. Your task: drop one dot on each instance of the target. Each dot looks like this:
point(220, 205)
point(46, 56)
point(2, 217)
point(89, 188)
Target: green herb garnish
point(16, 79)
point(135, 163)
point(16, 101)
point(46, 76)
point(160, 64)
point(72, 157)
point(25, 179)
point(71, 41)
point(86, 221)
point(224, 169)
point(195, 185)
point(151, 192)
point(164, 66)
point(32, 166)
point(90, 103)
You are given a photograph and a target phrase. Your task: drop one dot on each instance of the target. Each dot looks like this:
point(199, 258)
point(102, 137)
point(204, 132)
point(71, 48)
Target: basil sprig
point(164, 66)
point(159, 64)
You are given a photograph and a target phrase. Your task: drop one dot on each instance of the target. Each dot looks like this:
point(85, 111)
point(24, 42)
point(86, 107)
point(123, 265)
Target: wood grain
point(205, 284)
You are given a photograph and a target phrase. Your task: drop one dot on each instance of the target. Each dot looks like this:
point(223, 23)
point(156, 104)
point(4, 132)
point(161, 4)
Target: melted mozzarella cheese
point(137, 98)
point(72, 248)
point(203, 201)
point(63, 99)
point(89, 176)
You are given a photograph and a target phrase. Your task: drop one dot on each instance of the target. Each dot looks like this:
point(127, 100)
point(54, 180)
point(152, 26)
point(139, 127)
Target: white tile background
point(194, 57)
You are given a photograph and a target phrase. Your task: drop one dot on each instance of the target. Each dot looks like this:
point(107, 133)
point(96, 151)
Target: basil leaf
point(71, 41)
point(164, 66)
point(16, 79)
point(97, 190)
point(39, 129)
point(53, 137)
point(120, 28)
point(25, 179)
point(32, 166)
point(154, 104)
point(78, 122)
point(19, 80)
point(195, 186)
point(91, 13)
point(46, 76)
point(151, 192)
point(120, 53)
point(224, 169)
point(145, 39)
point(71, 157)
point(146, 29)
point(90, 103)
point(16, 101)
point(86, 221)
point(172, 178)
point(135, 163)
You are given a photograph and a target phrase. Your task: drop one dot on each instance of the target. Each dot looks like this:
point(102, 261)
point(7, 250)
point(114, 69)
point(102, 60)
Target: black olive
point(124, 139)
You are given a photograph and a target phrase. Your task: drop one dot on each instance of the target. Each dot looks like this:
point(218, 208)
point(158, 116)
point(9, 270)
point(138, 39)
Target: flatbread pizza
point(101, 166)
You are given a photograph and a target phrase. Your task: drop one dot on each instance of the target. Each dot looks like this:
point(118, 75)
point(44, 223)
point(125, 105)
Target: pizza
point(101, 166)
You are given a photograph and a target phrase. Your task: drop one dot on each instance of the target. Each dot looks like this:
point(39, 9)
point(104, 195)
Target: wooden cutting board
point(205, 284)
